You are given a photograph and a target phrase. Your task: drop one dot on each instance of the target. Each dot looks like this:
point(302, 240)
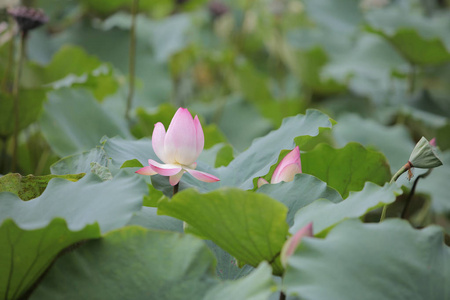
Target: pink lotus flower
point(178, 148)
point(286, 169)
point(292, 243)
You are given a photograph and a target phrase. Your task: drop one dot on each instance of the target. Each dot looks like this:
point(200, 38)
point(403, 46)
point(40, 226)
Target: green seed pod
point(423, 156)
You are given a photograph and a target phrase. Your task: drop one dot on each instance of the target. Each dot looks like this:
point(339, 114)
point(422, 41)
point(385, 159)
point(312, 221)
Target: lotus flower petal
point(292, 243)
point(200, 138)
point(180, 143)
point(146, 171)
point(165, 170)
point(178, 148)
point(202, 176)
point(288, 167)
point(174, 179)
point(158, 136)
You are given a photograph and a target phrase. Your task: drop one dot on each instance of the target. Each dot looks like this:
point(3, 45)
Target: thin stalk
point(412, 79)
point(175, 189)
point(10, 60)
point(411, 193)
point(16, 98)
point(402, 170)
point(132, 58)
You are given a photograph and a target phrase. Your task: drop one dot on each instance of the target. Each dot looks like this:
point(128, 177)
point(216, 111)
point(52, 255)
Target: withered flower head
point(28, 18)
point(217, 9)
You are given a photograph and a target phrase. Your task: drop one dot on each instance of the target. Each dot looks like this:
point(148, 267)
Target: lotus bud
point(424, 156)
point(261, 182)
point(292, 243)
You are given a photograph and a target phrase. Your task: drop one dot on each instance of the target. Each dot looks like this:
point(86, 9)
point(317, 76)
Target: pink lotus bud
point(291, 244)
point(288, 167)
point(261, 182)
point(178, 148)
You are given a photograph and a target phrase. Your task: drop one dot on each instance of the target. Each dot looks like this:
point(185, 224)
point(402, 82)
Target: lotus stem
point(413, 190)
point(175, 188)
point(394, 178)
point(132, 58)
point(17, 99)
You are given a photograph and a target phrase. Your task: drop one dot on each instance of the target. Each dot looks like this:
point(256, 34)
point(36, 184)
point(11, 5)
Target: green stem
point(394, 178)
point(175, 188)
point(412, 79)
point(17, 99)
point(132, 58)
point(10, 61)
point(398, 174)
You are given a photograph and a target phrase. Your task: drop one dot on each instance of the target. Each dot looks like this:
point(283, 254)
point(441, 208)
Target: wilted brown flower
point(28, 18)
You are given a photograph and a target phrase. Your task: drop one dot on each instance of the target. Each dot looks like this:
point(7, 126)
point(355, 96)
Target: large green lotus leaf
point(80, 163)
point(30, 186)
point(421, 40)
point(254, 85)
point(237, 114)
point(120, 150)
point(343, 16)
point(71, 66)
point(300, 192)
point(258, 285)
point(132, 263)
point(372, 57)
point(250, 226)
point(393, 141)
point(73, 122)
point(346, 169)
point(226, 268)
point(26, 254)
point(224, 156)
point(110, 203)
point(360, 261)
point(325, 214)
point(30, 107)
point(148, 218)
point(310, 66)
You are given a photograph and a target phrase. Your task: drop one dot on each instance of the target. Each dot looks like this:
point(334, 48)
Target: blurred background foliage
point(380, 68)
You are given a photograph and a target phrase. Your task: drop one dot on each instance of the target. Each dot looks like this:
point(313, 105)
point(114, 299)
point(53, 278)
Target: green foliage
point(110, 203)
point(409, 263)
point(346, 169)
point(300, 192)
point(393, 141)
point(73, 122)
point(30, 107)
point(164, 265)
point(251, 227)
point(29, 187)
point(258, 285)
point(247, 69)
point(25, 254)
point(325, 214)
point(416, 38)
